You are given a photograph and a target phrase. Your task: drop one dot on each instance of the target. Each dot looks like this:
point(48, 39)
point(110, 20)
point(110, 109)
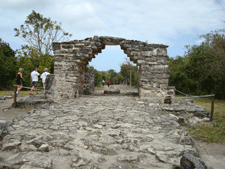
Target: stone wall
point(72, 57)
point(89, 82)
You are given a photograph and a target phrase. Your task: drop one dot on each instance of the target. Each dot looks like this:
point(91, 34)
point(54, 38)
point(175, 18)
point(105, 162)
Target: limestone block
point(162, 86)
point(146, 53)
point(86, 51)
point(163, 81)
point(141, 61)
point(9, 146)
point(78, 45)
point(135, 53)
point(111, 91)
point(152, 63)
point(58, 58)
point(56, 46)
point(67, 46)
point(190, 161)
point(71, 79)
point(160, 52)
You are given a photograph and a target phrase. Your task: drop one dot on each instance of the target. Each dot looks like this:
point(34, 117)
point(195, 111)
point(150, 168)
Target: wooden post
point(15, 89)
point(212, 107)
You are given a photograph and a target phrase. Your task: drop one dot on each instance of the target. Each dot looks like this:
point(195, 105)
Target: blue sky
point(175, 23)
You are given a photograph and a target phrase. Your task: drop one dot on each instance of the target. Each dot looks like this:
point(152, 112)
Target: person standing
point(103, 82)
point(34, 80)
point(19, 80)
point(108, 83)
point(43, 77)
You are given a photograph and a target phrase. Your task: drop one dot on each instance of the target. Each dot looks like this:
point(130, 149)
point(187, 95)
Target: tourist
point(19, 80)
point(103, 82)
point(108, 83)
point(34, 80)
point(43, 77)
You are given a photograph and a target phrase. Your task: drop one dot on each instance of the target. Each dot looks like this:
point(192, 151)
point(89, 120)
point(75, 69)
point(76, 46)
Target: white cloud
point(198, 42)
point(21, 5)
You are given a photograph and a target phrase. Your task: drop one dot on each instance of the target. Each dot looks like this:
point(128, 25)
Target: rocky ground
point(102, 131)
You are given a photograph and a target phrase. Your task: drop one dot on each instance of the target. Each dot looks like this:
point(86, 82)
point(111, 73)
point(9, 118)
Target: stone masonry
point(89, 82)
point(72, 57)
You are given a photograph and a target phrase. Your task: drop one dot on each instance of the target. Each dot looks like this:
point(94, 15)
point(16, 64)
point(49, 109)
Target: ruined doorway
point(72, 57)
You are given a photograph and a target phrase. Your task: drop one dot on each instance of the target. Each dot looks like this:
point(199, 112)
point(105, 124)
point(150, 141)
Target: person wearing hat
point(43, 77)
point(19, 80)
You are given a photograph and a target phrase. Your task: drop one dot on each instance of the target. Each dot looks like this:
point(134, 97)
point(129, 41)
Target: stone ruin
point(71, 59)
point(89, 82)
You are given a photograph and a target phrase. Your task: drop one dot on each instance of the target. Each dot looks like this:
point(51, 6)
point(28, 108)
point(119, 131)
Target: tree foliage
point(121, 77)
point(202, 69)
point(8, 67)
point(40, 32)
point(130, 74)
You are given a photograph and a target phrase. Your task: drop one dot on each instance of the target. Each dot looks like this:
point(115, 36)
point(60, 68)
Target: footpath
point(95, 132)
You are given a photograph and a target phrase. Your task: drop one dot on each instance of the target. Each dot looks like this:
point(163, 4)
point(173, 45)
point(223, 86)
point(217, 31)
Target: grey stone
point(10, 146)
point(3, 129)
point(26, 147)
point(188, 161)
point(33, 101)
point(111, 91)
point(183, 121)
point(129, 158)
point(2, 98)
point(186, 140)
point(190, 100)
point(80, 162)
point(44, 147)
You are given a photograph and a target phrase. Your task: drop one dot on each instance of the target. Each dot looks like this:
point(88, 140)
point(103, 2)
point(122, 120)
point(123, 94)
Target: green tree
point(8, 68)
point(111, 75)
point(202, 69)
point(128, 65)
point(40, 32)
point(130, 74)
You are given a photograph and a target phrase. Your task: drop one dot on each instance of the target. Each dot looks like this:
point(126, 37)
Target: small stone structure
point(72, 57)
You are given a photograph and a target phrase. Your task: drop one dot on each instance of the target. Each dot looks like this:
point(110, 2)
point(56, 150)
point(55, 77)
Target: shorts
point(20, 83)
point(44, 84)
point(34, 84)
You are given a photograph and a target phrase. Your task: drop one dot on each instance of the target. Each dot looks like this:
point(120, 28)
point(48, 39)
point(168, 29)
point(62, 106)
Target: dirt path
point(213, 154)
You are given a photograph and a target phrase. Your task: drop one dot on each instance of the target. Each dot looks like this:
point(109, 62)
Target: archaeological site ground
point(74, 126)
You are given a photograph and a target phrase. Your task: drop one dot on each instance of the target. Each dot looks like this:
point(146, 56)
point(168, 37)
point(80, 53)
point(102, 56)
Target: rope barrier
point(182, 92)
point(192, 95)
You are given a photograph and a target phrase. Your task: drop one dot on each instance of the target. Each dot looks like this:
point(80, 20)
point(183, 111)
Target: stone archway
point(72, 57)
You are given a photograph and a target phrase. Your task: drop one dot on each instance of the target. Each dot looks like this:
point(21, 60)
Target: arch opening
point(108, 65)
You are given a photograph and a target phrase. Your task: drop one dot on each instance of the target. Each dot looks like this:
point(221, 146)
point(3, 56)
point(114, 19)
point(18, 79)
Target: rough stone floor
point(95, 132)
